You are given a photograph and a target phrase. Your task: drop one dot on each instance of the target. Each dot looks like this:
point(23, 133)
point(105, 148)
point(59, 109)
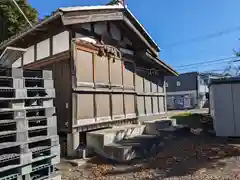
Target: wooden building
point(105, 65)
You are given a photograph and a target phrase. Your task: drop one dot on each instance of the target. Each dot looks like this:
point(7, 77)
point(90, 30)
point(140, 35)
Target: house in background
point(188, 90)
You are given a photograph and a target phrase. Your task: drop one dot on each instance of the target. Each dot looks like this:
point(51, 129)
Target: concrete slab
point(153, 127)
point(98, 139)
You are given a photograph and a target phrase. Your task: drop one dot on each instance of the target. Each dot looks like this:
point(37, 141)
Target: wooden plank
point(85, 109)
point(148, 105)
point(141, 105)
point(116, 72)
point(84, 69)
point(117, 106)
point(110, 16)
point(139, 81)
point(102, 70)
point(128, 75)
point(130, 105)
point(103, 107)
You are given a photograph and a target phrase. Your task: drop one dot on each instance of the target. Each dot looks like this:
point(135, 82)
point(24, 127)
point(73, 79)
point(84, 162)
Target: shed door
point(224, 123)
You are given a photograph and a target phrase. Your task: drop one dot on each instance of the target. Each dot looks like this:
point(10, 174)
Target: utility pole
point(22, 13)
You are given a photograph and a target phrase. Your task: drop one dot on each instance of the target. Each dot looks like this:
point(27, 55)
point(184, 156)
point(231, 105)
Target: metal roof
point(228, 80)
point(10, 55)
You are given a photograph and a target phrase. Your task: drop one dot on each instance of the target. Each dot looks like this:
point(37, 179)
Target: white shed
point(225, 106)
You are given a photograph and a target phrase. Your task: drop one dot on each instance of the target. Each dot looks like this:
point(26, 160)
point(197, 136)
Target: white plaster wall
point(28, 56)
point(17, 63)
point(100, 28)
point(43, 49)
point(61, 42)
point(115, 32)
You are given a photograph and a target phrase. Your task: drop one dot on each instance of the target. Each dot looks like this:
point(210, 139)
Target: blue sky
point(174, 23)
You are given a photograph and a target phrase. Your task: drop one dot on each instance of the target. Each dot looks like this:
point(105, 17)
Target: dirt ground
point(190, 154)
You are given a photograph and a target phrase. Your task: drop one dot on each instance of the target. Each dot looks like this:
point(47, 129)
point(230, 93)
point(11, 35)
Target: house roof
point(62, 10)
point(112, 7)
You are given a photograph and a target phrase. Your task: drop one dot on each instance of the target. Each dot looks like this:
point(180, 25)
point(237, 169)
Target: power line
point(22, 13)
point(204, 62)
point(202, 38)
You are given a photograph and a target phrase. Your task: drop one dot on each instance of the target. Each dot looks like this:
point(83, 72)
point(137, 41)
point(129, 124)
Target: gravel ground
point(191, 156)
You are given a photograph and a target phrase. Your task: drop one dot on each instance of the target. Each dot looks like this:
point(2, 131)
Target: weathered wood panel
point(141, 105)
point(130, 110)
point(161, 104)
point(102, 70)
point(147, 85)
point(117, 106)
point(85, 108)
point(84, 67)
point(103, 107)
point(116, 72)
point(155, 105)
point(148, 105)
point(139, 81)
point(128, 75)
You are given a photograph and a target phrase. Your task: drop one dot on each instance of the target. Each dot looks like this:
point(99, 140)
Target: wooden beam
point(128, 22)
point(48, 60)
point(107, 16)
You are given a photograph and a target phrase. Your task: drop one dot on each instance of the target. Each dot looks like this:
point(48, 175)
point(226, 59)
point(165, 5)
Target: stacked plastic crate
point(29, 145)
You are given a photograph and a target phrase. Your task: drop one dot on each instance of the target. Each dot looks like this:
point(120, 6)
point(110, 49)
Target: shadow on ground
point(186, 154)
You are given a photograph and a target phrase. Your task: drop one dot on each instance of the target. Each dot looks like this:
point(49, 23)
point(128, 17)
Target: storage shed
point(224, 106)
point(105, 65)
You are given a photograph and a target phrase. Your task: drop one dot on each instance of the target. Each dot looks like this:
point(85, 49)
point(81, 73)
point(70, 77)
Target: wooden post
point(165, 97)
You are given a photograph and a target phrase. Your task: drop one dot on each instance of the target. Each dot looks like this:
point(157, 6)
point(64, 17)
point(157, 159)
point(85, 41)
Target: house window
point(178, 83)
